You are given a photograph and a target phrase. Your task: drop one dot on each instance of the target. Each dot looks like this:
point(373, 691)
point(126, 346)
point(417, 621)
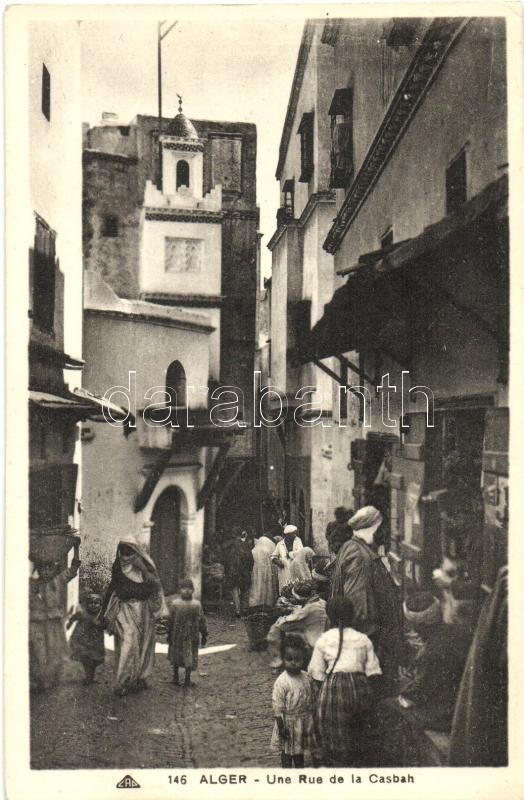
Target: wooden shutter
point(358, 464)
point(416, 524)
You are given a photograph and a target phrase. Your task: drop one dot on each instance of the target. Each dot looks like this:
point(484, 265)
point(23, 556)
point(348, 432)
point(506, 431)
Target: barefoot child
point(293, 706)
point(87, 640)
point(342, 662)
point(186, 625)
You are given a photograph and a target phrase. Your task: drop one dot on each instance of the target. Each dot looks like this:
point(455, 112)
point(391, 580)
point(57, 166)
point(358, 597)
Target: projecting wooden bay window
point(287, 210)
point(341, 113)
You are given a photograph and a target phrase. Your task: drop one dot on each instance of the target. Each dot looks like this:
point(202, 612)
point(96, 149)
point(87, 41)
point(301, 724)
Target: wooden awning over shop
point(79, 404)
point(364, 314)
point(378, 307)
point(39, 351)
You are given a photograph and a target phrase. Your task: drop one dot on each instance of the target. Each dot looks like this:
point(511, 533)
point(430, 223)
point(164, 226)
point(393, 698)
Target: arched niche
point(182, 174)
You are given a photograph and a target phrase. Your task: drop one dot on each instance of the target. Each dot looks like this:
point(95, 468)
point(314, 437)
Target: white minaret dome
point(180, 126)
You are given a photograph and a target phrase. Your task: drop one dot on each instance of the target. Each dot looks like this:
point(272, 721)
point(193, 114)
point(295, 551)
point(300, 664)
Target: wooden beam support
point(213, 476)
point(234, 475)
point(344, 383)
point(318, 363)
point(439, 293)
point(151, 480)
point(360, 372)
point(281, 433)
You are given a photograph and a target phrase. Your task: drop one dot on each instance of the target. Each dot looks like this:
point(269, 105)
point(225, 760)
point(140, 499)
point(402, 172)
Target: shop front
point(433, 310)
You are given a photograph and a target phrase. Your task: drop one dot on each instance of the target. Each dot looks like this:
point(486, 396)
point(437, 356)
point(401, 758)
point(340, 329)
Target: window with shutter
point(43, 263)
point(46, 93)
point(305, 131)
point(110, 226)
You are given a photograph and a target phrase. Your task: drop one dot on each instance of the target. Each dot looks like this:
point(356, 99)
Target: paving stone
point(78, 727)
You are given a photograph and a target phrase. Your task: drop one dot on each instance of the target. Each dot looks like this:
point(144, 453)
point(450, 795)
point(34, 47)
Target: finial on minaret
point(179, 103)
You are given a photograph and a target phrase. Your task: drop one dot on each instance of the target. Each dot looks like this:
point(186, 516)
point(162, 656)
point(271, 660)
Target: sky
point(240, 71)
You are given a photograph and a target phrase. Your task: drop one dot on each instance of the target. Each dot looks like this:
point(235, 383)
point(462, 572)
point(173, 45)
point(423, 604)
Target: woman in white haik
point(133, 600)
point(284, 554)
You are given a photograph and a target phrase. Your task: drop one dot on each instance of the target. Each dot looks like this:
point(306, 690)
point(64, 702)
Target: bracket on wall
point(438, 292)
point(223, 490)
point(360, 372)
point(152, 479)
point(214, 474)
point(281, 433)
point(318, 363)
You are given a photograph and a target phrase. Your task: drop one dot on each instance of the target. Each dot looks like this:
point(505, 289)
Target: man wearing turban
point(361, 575)
point(284, 553)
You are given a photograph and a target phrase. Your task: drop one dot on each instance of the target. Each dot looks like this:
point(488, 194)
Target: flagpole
point(160, 35)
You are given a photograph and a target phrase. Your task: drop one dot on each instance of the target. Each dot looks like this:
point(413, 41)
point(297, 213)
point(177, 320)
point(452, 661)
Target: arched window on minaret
point(176, 384)
point(182, 174)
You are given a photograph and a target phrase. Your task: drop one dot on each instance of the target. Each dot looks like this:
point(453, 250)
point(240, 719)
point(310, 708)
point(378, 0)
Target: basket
point(51, 544)
point(258, 621)
point(161, 630)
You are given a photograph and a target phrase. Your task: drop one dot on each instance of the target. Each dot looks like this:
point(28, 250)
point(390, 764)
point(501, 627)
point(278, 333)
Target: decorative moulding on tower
point(182, 199)
point(184, 145)
point(183, 215)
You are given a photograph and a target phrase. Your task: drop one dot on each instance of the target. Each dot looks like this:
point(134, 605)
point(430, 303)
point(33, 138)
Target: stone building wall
point(118, 160)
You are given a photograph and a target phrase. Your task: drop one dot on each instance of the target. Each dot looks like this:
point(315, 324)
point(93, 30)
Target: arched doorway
point(168, 540)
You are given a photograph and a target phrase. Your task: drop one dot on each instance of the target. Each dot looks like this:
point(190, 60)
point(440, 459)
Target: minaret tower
point(181, 239)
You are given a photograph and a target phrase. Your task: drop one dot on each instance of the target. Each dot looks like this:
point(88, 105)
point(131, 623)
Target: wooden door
point(167, 540)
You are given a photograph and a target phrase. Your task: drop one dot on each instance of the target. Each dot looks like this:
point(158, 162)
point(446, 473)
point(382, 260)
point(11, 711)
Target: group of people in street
point(349, 655)
point(347, 626)
point(375, 670)
point(256, 569)
point(132, 609)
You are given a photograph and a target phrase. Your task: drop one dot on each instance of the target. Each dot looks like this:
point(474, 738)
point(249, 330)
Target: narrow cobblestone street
point(224, 721)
